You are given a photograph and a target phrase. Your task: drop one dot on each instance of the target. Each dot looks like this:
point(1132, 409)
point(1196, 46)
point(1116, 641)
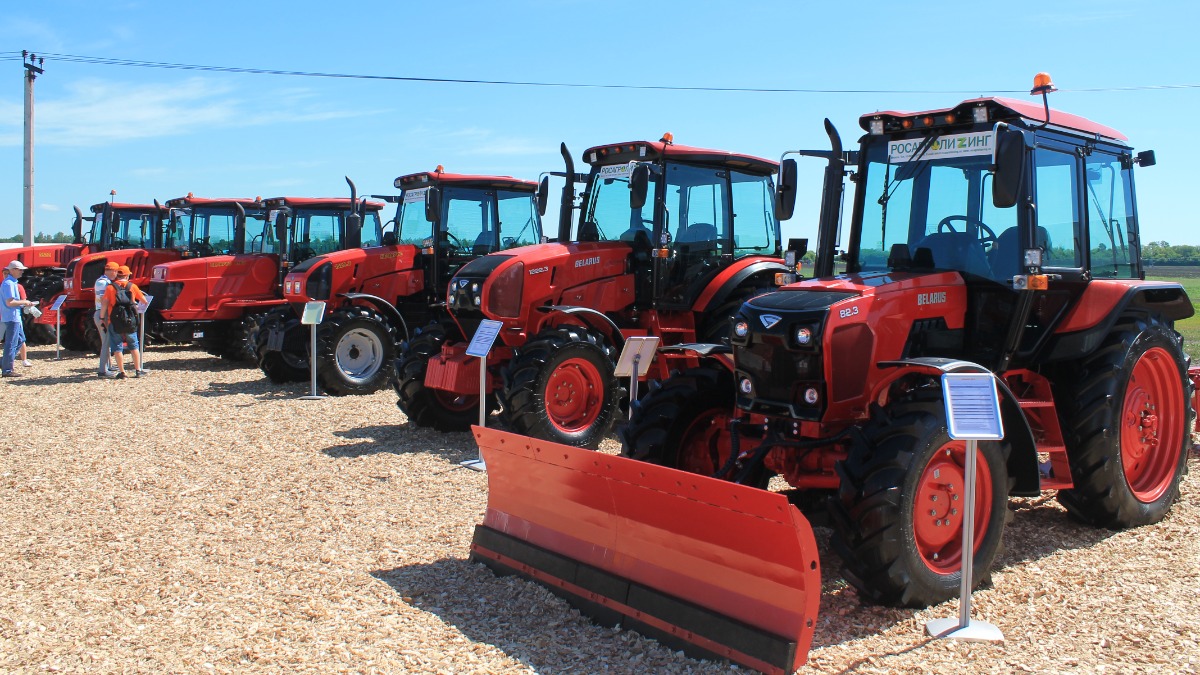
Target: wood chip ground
point(201, 520)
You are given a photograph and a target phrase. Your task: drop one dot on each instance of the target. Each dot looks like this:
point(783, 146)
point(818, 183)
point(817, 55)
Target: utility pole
point(31, 73)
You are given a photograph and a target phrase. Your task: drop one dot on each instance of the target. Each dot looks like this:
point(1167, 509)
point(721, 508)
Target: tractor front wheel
point(684, 424)
point(241, 338)
point(561, 387)
point(285, 365)
point(355, 349)
point(1128, 422)
point(74, 330)
point(899, 513)
point(424, 406)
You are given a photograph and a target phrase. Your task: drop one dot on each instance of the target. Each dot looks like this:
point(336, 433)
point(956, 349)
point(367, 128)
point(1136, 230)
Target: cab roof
point(204, 201)
point(1005, 108)
point(318, 202)
point(649, 150)
point(97, 208)
point(427, 178)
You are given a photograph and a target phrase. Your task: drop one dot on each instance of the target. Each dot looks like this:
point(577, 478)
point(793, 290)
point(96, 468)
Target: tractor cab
point(201, 227)
point(117, 226)
point(988, 189)
point(453, 218)
point(676, 206)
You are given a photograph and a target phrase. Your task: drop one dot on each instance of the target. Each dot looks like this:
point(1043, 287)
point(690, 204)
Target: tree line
point(43, 238)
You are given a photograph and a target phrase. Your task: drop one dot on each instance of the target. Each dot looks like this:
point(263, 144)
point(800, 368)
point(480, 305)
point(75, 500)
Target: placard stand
point(57, 309)
point(314, 312)
point(481, 344)
point(634, 362)
point(141, 311)
point(973, 413)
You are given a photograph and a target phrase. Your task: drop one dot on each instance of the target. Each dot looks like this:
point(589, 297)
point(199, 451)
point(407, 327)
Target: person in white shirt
point(110, 273)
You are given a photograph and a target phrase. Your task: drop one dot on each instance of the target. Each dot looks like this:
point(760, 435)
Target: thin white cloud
point(49, 207)
point(100, 113)
point(480, 141)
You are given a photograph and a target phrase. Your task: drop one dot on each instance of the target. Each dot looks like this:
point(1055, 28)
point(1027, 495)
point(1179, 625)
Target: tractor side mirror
point(239, 230)
point(77, 227)
point(433, 204)
point(639, 185)
point(1010, 169)
point(1146, 158)
point(543, 194)
point(354, 231)
point(281, 227)
point(785, 194)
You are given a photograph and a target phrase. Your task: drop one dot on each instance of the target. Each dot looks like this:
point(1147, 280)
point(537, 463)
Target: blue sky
point(154, 133)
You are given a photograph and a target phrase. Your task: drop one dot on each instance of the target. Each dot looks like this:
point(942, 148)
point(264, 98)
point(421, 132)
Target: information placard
point(484, 337)
point(144, 305)
point(640, 349)
point(58, 303)
point(314, 311)
point(973, 406)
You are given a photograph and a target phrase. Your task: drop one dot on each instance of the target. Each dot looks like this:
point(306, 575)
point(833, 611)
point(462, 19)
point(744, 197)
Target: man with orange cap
point(119, 317)
point(110, 273)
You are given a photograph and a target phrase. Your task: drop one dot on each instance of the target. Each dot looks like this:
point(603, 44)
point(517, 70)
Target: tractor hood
point(346, 271)
point(33, 257)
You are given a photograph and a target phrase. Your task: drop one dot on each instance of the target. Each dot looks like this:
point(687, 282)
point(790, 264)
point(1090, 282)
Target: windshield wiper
point(894, 182)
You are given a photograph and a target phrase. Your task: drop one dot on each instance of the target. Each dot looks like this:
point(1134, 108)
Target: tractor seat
point(697, 232)
point(953, 251)
point(485, 243)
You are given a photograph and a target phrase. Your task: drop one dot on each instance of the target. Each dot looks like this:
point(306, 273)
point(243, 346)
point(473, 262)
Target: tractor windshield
point(209, 230)
point(473, 220)
point(130, 229)
point(608, 215)
point(928, 205)
point(411, 226)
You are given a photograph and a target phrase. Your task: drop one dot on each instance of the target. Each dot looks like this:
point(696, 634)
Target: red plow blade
point(717, 569)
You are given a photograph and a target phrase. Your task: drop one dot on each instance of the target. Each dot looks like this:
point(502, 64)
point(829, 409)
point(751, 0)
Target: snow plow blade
point(719, 570)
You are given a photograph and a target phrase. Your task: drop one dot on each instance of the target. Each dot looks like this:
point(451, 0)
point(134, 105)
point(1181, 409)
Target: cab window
point(1058, 206)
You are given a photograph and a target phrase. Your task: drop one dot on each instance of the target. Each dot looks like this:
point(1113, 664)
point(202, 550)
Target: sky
point(161, 133)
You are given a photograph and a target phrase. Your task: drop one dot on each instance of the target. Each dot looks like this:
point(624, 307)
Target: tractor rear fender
point(734, 279)
point(1023, 460)
point(385, 308)
point(1104, 302)
point(589, 317)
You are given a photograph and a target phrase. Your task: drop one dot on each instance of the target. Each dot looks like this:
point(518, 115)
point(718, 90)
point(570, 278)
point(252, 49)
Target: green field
point(1189, 277)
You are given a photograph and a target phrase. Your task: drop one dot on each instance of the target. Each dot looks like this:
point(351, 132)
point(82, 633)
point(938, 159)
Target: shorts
point(123, 343)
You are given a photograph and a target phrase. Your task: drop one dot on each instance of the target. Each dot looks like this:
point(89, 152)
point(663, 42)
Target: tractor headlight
point(811, 396)
point(746, 386)
point(804, 336)
point(741, 329)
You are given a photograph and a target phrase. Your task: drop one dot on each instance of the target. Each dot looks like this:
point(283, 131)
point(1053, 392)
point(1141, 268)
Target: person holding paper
point(11, 304)
point(120, 318)
point(104, 368)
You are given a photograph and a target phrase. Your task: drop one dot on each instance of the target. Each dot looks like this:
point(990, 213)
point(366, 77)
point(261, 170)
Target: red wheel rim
point(574, 395)
point(1151, 435)
point(456, 402)
point(938, 512)
point(705, 445)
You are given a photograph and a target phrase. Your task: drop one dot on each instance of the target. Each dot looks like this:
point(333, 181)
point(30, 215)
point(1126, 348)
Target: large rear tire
point(898, 517)
point(1128, 423)
point(43, 289)
point(561, 387)
point(355, 350)
point(424, 406)
point(288, 364)
point(241, 342)
point(684, 424)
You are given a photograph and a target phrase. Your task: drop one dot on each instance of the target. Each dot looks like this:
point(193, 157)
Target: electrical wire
point(107, 61)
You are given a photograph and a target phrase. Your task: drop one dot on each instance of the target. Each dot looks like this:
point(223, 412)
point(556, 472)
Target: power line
point(108, 61)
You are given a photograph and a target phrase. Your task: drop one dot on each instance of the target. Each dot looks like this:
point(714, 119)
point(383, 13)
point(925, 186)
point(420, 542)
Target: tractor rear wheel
point(43, 289)
point(1128, 423)
point(561, 387)
point(426, 407)
point(286, 365)
point(684, 424)
point(355, 350)
point(899, 512)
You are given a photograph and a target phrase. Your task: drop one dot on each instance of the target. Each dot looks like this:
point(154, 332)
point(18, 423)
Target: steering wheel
point(454, 241)
point(989, 237)
point(116, 242)
point(201, 247)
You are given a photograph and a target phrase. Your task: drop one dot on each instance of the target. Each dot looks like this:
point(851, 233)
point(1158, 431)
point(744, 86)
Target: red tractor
point(135, 235)
point(995, 232)
point(375, 293)
point(220, 301)
point(45, 266)
point(671, 240)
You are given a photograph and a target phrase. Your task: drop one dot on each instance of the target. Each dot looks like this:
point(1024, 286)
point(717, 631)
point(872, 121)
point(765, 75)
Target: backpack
point(123, 317)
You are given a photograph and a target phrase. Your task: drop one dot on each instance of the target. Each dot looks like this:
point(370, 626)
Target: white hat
point(15, 265)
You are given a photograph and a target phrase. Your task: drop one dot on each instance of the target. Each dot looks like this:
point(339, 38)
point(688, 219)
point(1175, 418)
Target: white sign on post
point(314, 312)
point(973, 415)
point(57, 309)
point(634, 362)
point(58, 303)
point(481, 344)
